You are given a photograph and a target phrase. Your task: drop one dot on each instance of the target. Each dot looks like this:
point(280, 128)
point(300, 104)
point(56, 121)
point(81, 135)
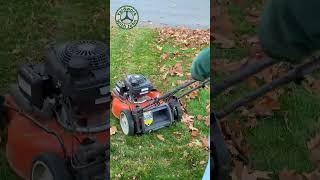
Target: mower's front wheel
point(49, 166)
point(126, 123)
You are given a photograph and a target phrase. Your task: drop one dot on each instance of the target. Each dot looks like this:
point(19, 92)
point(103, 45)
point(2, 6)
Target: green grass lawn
point(27, 27)
point(147, 157)
point(274, 144)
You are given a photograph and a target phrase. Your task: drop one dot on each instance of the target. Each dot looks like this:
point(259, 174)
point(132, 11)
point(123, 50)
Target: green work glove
point(290, 29)
point(200, 69)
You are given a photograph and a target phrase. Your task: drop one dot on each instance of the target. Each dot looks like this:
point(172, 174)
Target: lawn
point(27, 27)
point(147, 157)
point(277, 141)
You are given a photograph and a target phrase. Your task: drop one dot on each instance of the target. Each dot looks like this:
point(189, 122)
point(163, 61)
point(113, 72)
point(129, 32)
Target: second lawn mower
point(141, 108)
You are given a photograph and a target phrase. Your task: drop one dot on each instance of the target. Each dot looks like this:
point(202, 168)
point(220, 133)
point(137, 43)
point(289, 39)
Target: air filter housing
point(80, 70)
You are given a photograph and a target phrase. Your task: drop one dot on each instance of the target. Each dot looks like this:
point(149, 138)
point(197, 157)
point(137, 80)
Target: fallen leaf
point(200, 117)
point(286, 174)
point(195, 143)
point(223, 41)
point(194, 131)
point(113, 130)
point(187, 119)
point(205, 143)
point(165, 56)
point(266, 106)
point(202, 162)
point(176, 70)
point(159, 48)
point(159, 136)
point(193, 94)
point(314, 148)
point(314, 175)
point(177, 134)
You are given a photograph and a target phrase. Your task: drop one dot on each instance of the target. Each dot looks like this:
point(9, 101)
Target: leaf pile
point(187, 38)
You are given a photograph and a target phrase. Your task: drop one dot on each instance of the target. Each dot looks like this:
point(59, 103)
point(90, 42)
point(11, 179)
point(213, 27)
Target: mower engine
point(69, 92)
point(72, 85)
point(134, 88)
point(131, 104)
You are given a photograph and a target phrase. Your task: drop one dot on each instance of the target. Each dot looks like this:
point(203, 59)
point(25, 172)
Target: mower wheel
point(176, 109)
point(49, 166)
point(126, 122)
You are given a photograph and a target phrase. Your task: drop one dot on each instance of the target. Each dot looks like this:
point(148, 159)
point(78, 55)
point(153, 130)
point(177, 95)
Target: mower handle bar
point(179, 88)
point(176, 90)
point(292, 75)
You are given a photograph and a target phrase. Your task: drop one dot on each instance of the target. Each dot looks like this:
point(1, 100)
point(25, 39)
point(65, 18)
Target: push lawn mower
point(141, 108)
point(219, 149)
point(56, 115)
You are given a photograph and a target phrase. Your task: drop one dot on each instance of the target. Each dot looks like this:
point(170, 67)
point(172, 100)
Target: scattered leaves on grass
point(113, 130)
point(159, 136)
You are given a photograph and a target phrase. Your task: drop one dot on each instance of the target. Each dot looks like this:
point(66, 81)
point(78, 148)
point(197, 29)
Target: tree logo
point(127, 17)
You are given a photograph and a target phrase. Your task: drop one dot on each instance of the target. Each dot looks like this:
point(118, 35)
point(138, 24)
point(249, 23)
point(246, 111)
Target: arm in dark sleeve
point(290, 29)
point(200, 69)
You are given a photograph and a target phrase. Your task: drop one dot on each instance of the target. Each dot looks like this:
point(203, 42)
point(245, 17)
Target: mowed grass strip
point(147, 157)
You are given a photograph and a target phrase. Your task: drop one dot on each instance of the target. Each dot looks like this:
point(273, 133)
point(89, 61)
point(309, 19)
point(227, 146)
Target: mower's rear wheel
point(126, 123)
point(176, 109)
point(49, 166)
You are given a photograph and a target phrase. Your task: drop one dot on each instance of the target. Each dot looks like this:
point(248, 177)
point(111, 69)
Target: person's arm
point(200, 69)
point(290, 29)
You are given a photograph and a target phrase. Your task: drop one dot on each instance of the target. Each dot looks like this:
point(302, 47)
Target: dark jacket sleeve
point(200, 69)
point(290, 29)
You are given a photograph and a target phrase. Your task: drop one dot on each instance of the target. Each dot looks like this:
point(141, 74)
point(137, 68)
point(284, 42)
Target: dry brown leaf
point(164, 76)
point(187, 120)
point(314, 175)
point(159, 136)
point(193, 94)
point(223, 41)
point(113, 130)
point(195, 143)
point(205, 143)
point(165, 56)
point(177, 135)
point(265, 106)
point(194, 131)
point(241, 172)
point(176, 70)
point(200, 117)
point(314, 148)
point(159, 48)
point(286, 174)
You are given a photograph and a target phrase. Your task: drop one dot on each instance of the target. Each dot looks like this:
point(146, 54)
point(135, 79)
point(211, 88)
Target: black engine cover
point(135, 85)
point(81, 71)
